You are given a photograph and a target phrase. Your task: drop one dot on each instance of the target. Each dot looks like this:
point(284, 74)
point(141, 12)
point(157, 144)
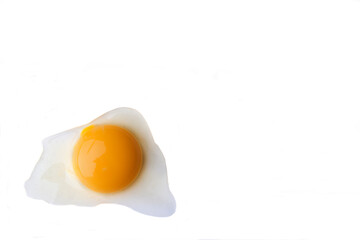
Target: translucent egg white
point(54, 181)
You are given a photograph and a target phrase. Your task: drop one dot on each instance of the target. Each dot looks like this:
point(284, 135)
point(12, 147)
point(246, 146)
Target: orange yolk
point(107, 158)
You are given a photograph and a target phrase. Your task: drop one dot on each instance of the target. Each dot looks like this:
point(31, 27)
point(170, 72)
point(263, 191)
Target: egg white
point(54, 181)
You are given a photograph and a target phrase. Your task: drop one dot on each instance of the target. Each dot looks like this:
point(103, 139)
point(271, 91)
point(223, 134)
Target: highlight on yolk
point(107, 158)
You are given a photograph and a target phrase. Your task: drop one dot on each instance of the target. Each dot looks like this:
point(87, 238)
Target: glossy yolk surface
point(107, 158)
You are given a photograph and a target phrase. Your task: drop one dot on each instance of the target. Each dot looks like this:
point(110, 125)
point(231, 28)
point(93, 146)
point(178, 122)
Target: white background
point(255, 105)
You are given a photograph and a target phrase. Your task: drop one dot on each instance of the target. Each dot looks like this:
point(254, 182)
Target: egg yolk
point(107, 158)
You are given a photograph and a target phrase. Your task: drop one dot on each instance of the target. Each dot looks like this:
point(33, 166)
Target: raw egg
point(112, 159)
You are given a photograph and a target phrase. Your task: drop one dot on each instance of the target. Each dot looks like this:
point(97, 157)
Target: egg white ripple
point(54, 181)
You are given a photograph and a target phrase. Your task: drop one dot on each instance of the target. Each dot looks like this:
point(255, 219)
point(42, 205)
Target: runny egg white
point(112, 159)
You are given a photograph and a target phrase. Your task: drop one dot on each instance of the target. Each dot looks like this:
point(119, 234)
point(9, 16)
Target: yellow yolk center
point(107, 158)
